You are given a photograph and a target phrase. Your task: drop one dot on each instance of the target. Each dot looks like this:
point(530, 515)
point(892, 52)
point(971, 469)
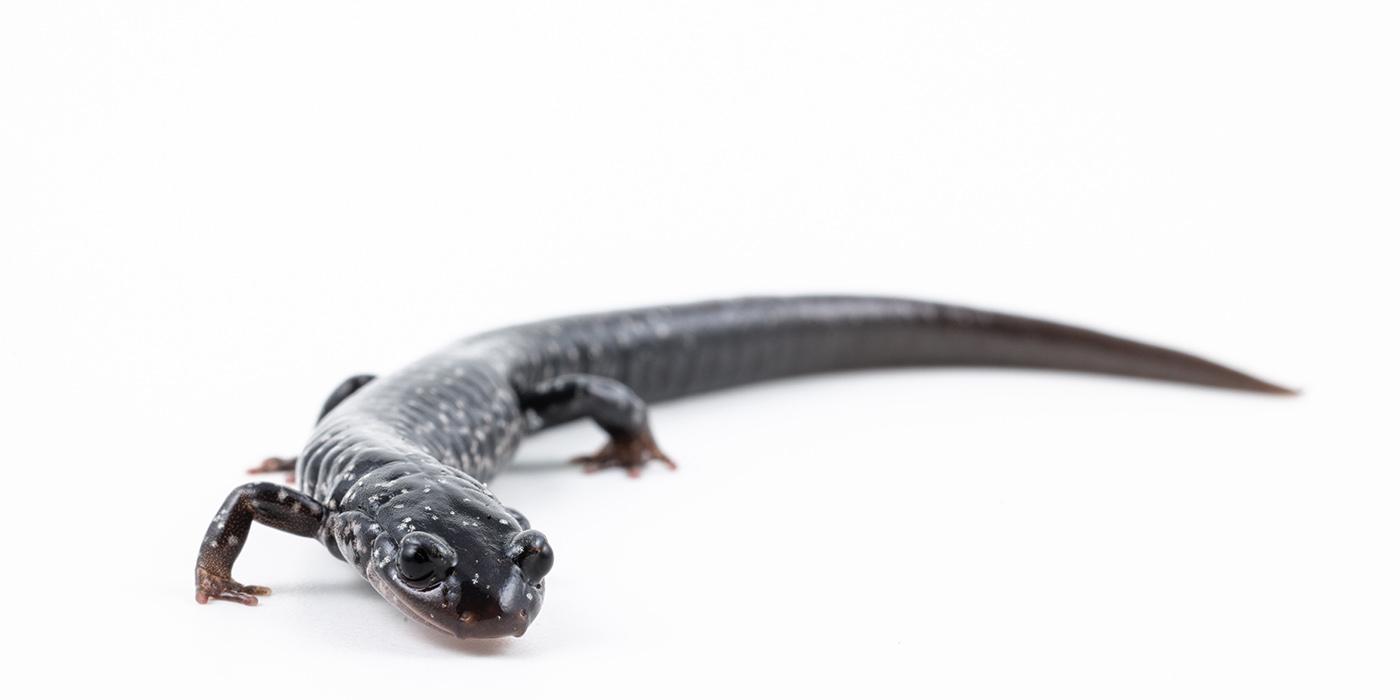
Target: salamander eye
point(424, 560)
point(532, 553)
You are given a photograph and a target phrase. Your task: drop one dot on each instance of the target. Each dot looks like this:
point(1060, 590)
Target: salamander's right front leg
point(270, 504)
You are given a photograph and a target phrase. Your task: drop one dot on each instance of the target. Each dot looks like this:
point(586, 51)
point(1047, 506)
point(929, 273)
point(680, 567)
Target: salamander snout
point(502, 597)
point(450, 555)
point(531, 552)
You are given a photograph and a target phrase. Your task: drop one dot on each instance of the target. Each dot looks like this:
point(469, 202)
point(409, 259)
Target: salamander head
point(448, 554)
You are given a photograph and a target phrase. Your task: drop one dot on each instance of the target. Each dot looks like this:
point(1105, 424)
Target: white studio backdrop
point(212, 213)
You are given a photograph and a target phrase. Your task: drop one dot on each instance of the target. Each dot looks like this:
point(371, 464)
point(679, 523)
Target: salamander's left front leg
point(612, 405)
point(270, 504)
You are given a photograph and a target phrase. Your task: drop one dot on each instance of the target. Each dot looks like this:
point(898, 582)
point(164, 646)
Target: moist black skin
point(393, 478)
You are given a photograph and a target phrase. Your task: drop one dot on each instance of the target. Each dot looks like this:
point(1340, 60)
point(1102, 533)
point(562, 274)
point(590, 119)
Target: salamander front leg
point(612, 405)
point(629, 451)
point(270, 504)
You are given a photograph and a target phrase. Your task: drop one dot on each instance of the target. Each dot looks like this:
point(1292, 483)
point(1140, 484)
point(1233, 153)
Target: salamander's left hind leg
point(612, 405)
point(270, 504)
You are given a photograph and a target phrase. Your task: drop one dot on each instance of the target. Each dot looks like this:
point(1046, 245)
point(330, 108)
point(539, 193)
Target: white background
point(214, 212)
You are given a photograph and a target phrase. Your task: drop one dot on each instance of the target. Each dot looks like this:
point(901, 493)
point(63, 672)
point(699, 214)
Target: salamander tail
point(1024, 342)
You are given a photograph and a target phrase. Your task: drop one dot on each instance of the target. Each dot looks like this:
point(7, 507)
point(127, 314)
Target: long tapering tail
point(671, 351)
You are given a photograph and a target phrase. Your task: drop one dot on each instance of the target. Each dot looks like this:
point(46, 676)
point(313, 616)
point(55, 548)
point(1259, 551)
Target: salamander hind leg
point(277, 465)
point(612, 405)
point(269, 504)
point(288, 465)
point(346, 389)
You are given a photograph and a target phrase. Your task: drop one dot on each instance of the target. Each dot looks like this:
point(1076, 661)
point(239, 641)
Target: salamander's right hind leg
point(272, 505)
point(275, 465)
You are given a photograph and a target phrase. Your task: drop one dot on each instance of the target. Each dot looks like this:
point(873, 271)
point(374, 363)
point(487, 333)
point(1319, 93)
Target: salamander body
point(393, 479)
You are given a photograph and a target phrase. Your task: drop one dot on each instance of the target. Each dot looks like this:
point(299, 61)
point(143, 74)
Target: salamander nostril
point(532, 553)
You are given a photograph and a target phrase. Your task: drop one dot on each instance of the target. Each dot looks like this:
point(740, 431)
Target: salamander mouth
point(467, 625)
point(385, 590)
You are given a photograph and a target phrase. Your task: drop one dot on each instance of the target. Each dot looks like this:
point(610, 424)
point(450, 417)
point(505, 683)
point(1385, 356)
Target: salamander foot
point(629, 452)
point(277, 464)
point(212, 586)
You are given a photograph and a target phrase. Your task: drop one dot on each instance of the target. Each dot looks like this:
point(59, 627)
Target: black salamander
point(394, 477)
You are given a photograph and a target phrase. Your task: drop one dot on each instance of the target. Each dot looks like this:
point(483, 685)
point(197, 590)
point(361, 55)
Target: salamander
point(394, 477)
